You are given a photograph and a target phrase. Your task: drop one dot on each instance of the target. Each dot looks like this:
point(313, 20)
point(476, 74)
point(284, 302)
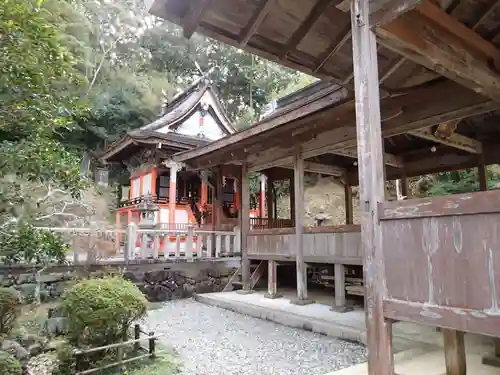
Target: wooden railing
point(176, 242)
point(181, 244)
point(266, 223)
point(154, 199)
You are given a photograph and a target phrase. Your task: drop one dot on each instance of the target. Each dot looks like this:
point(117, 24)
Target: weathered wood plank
point(460, 204)
point(339, 285)
point(372, 185)
point(431, 37)
point(468, 320)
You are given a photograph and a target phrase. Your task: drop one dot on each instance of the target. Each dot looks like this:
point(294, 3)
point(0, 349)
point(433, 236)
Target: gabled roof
point(179, 109)
point(184, 104)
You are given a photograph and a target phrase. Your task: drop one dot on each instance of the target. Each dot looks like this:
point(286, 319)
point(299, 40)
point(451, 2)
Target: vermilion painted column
point(236, 195)
point(262, 198)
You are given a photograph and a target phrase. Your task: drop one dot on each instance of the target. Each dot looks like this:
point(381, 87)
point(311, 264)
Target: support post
point(371, 182)
point(272, 280)
point(245, 228)
point(298, 169)
point(454, 352)
point(269, 198)
point(483, 175)
point(349, 212)
point(204, 191)
point(118, 235)
point(340, 300)
point(262, 197)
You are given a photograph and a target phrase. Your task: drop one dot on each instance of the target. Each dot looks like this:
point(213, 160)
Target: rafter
point(255, 22)
point(352, 152)
point(336, 45)
point(299, 34)
point(193, 18)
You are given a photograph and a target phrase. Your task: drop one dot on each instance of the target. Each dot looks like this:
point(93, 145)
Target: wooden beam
point(389, 159)
point(431, 37)
point(372, 185)
point(255, 22)
point(336, 45)
point(312, 167)
point(317, 10)
point(455, 140)
point(194, 17)
point(383, 11)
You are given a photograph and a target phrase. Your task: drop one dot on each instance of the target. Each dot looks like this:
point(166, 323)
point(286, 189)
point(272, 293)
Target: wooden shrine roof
point(439, 81)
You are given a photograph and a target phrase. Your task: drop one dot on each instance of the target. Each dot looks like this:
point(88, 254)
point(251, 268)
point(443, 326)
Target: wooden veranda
point(415, 89)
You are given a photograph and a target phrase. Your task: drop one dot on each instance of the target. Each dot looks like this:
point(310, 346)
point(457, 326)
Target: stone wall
point(158, 281)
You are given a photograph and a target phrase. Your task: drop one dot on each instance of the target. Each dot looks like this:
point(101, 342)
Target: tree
point(39, 87)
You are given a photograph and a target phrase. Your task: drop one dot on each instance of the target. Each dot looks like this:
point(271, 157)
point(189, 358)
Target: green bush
point(10, 309)
point(9, 365)
point(99, 311)
point(24, 243)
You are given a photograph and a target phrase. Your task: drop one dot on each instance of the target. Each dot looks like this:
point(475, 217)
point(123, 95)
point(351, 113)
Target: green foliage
point(65, 360)
point(100, 311)
point(10, 309)
point(463, 181)
point(9, 365)
point(39, 97)
point(23, 242)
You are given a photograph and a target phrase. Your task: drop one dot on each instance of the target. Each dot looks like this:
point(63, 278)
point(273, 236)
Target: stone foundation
point(158, 281)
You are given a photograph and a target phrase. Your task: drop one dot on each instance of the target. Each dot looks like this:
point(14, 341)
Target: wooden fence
point(148, 352)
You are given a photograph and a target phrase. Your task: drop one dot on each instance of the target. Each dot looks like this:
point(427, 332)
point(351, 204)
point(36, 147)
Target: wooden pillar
point(262, 197)
point(245, 228)
point(349, 212)
point(454, 352)
point(340, 301)
point(292, 198)
point(298, 170)
point(269, 199)
point(272, 280)
point(371, 183)
point(483, 175)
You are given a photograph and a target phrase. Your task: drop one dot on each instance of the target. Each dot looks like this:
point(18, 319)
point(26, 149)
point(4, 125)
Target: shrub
point(9, 365)
point(10, 309)
point(99, 311)
point(24, 242)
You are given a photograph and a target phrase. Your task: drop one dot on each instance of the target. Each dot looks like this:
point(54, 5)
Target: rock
point(55, 326)
point(29, 340)
point(35, 349)
point(15, 349)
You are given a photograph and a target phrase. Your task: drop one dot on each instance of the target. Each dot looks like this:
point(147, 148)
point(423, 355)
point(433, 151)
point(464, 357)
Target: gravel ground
point(213, 341)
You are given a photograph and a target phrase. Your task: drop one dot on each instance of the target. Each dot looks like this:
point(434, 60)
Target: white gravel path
point(213, 341)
